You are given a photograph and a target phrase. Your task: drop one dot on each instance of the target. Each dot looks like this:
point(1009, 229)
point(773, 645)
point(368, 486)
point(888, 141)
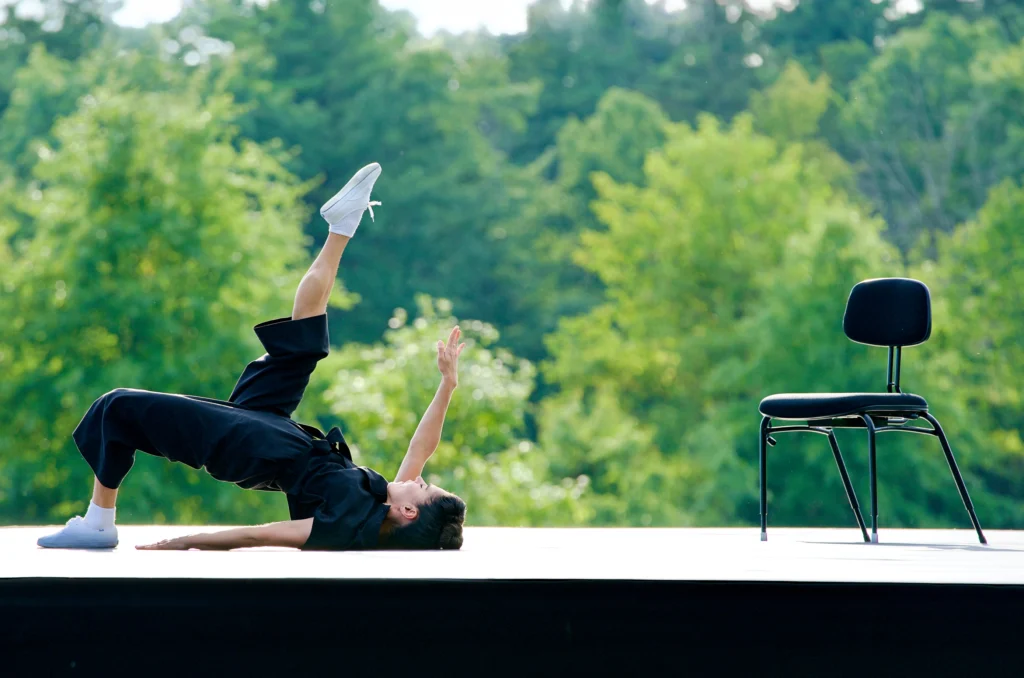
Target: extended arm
point(428, 432)
point(293, 533)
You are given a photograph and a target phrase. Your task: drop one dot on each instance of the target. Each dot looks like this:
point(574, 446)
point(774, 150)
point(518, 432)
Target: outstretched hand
point(176, 544)
point(448, 357)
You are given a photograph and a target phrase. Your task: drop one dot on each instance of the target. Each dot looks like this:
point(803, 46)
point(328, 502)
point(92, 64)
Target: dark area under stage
point(524, 602)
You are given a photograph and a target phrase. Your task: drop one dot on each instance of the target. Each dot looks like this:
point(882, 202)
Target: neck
point(386, 528)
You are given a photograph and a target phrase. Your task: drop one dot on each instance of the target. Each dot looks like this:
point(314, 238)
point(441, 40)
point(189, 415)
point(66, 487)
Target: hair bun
point(451, 536)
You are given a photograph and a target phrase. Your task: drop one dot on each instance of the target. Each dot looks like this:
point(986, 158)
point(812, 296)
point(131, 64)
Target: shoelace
point(370, 207)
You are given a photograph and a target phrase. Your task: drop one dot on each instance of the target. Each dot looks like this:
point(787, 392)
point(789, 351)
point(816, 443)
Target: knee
point(110, 405)
point(111, 397)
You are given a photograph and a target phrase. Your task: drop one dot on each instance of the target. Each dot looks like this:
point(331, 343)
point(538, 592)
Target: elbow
point(420, 450)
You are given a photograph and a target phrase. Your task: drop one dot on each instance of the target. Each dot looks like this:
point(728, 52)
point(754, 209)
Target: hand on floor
point(176, 544)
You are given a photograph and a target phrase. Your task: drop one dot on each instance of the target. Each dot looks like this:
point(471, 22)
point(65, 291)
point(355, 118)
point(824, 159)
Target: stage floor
point(595, 554)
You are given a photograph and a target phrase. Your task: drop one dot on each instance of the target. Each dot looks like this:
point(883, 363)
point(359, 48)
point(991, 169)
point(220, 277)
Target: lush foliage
point(644, 219)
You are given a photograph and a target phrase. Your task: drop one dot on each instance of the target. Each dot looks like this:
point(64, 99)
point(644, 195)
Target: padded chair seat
point(830, 405)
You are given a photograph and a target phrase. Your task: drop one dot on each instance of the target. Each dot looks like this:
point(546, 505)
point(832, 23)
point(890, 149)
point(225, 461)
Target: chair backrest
point(889, 312)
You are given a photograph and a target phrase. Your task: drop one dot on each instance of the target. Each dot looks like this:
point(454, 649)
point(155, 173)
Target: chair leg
point(763, 466)
point(956, 475)
point(850, 494)
point(872, 476)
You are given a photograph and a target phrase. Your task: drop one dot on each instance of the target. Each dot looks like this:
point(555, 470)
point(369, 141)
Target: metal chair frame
point(875, 421)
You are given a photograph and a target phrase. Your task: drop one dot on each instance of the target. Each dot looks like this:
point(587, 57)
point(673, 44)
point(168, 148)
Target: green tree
point(45, 89)
point(790, 109)
point(68, 30)
point(48, 87)
point(931, 125)
point(688, 61)
point(805, 32)
point(370, 92)
point(976, 352)
point(1008, 15)
point(795, 109)
point(542, 282)
point(587, 434)
point(150, 218)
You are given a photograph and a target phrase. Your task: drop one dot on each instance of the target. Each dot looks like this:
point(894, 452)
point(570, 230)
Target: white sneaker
point(346, 208)
point(79, 535)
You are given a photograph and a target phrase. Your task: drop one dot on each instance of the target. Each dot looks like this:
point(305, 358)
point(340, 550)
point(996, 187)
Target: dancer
point(251, 440)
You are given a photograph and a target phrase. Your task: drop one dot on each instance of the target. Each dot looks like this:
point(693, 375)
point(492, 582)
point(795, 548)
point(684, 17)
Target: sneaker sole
point(76, 545)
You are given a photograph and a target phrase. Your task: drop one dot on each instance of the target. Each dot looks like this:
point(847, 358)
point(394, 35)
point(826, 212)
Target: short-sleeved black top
point(348, 504)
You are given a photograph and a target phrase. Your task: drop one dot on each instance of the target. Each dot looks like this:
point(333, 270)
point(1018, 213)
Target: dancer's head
point(422, 516)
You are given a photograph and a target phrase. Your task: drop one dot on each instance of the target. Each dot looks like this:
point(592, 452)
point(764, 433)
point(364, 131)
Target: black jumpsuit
point(249, 440)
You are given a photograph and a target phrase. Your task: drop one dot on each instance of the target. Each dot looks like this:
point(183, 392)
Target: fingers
point(164, 545)
point(453, 337)
point(452, 348)
point(450, 345)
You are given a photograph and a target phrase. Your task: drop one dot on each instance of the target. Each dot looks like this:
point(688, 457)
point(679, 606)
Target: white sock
point(350, 222)
point(99, 518)
point(348, 225)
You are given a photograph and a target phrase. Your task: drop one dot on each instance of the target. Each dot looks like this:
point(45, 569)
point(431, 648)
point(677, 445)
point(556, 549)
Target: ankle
point(103, 496)
point(99, 517)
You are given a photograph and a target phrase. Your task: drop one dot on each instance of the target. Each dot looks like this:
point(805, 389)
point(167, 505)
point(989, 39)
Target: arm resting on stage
point(293, 533)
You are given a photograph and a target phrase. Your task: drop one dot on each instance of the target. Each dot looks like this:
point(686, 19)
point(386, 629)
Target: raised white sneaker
point(346, 208)
point(78, 535)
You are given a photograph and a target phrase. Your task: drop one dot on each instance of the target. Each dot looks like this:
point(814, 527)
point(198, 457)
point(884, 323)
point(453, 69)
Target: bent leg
point(125, 420)
point(276, 381)
point(342, 213)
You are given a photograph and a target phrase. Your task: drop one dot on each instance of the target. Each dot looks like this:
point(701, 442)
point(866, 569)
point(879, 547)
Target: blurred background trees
point(645, 218)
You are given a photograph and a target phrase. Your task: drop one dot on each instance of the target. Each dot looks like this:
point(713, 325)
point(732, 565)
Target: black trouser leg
point(762, 448)
point(178, 428)
point(956, 475)
point(850, 494)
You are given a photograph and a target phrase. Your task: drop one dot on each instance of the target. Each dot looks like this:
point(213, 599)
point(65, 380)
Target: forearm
point(291, 533)
point(235, 538)
point(428, 432)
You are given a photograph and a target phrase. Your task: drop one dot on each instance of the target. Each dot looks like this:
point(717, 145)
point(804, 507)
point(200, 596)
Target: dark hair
point(438, 526)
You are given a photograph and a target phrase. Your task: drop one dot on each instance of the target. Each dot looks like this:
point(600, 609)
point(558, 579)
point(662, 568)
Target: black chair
point(893, 312)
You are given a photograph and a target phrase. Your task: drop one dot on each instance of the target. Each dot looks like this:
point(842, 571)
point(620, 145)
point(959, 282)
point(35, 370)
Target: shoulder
point(376, 483)
point(348, 505)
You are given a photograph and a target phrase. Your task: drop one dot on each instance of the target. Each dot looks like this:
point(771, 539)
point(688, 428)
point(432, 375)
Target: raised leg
point(872, 476)
point(850, 494)
point(956, 475)
point(315, 289)
point(762, 449)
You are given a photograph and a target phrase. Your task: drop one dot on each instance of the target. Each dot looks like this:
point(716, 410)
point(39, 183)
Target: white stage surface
point(650, 554)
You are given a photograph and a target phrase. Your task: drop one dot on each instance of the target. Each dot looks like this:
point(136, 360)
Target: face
point(407, 496)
